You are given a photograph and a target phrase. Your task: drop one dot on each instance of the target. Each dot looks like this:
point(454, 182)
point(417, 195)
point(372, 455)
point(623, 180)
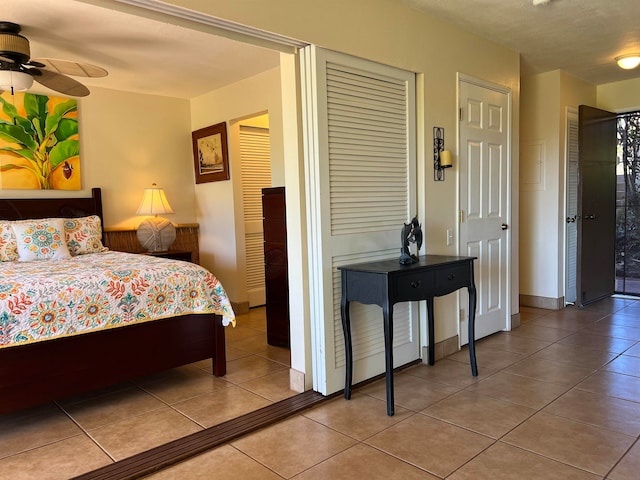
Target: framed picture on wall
point(210, 153)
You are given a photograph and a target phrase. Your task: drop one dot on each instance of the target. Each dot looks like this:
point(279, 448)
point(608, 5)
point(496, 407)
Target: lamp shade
point(629, 61)
point(19, 81)
point(154, 202)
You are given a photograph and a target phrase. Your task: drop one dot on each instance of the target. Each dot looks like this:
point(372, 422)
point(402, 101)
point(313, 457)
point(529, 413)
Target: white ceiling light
point(540, 2)
point(629, 61)
point(18, 81)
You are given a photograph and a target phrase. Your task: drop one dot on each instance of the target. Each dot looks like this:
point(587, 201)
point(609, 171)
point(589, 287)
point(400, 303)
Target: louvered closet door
point(572, 208)
point(360, 152)
point(256, 174)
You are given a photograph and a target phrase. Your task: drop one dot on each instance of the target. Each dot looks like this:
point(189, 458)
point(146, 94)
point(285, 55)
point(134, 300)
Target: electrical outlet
point(449, 237)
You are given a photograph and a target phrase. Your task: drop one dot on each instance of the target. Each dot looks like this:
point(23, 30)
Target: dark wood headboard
point(26, 208)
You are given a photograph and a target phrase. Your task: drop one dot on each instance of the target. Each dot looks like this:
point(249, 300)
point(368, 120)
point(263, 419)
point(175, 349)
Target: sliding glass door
point(628, 205)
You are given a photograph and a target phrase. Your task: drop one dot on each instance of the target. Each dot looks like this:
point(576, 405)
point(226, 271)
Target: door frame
point(511, 289)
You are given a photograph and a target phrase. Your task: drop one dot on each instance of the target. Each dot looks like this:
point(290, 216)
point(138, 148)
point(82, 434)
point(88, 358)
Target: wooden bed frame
point(40, 372)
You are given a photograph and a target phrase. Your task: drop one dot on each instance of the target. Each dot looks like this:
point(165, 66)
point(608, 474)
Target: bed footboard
point(41, 372)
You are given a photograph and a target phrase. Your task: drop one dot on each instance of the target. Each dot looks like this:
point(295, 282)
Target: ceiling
point(582, 37)
point(144, 55)
point(141, 55)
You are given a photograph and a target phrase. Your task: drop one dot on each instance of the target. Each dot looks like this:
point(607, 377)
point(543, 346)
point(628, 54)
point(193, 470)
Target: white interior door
point(484, 201)
point(359, 120)
point(255, 159)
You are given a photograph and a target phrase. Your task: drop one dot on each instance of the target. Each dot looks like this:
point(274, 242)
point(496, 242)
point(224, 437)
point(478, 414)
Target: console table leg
point(431, 332)
point(388, 348)
point(472, 330)
point(346, 328)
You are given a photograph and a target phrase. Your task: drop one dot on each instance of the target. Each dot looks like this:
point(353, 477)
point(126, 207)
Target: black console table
point(386, 283)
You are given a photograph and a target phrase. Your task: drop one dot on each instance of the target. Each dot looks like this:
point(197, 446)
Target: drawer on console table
point(413, 286)
point(365, 287)
point(451, 279)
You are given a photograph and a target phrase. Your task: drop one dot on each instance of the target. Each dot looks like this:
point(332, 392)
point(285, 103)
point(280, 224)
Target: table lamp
point(155, 234)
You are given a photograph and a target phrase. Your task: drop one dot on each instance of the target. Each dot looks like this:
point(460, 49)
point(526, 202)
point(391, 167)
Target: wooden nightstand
point(173, 254)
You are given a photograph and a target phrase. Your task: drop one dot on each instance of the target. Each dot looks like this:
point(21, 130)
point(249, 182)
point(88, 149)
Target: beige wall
point(545, 99)
point(386, 31)
point(219, 204)
point(131, 141)
point(539, 164)
point(390, 33)
point(620, 96)
point(127, 142)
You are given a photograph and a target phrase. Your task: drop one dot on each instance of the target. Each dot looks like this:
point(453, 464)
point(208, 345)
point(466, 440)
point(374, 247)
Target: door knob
point(504, 226)
point(571, 219)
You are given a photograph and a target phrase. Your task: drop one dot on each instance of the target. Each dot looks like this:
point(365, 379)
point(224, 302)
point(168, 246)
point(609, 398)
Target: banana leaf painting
point(39, 147)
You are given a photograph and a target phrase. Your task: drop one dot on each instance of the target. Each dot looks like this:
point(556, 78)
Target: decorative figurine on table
point(411, 233)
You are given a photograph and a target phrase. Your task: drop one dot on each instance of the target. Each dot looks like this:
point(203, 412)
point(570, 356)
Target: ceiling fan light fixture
point(18, 81)
point(12, 44)
point(629, 61)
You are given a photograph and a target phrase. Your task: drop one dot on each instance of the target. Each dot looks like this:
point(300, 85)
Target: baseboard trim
point(442, 349)
point(296, 380)
point(547, 303)
point(240, 308)
point(516, 321)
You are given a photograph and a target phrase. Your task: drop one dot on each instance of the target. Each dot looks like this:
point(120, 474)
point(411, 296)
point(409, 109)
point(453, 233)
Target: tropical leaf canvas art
point(39, 145)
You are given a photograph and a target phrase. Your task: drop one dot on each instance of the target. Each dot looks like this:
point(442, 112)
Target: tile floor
point(557, 398)
point(64, 439)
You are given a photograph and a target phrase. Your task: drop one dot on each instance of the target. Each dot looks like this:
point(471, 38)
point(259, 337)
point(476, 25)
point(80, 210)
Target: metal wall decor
point(438, 149)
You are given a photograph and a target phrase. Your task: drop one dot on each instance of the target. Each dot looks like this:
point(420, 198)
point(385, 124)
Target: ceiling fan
point(18, 67)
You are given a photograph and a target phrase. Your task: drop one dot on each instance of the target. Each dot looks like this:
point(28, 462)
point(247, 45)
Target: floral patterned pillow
point(8, 245)
point(41, 240)
point(84, 235)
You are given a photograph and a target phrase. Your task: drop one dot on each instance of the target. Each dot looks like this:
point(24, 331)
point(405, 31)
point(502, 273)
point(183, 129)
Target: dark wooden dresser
point(275, 265)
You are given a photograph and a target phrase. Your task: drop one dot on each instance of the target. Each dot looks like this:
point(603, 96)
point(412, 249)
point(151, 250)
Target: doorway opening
point(255, 160)
point(628, 205)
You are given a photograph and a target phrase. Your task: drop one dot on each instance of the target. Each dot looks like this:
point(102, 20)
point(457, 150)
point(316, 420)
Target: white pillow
point(41, 240)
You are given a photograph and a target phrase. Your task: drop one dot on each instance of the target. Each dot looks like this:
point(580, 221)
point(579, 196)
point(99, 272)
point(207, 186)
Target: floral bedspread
point(51, 298)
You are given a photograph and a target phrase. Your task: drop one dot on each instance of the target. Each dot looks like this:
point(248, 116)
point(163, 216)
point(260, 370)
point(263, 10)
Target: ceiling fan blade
point(67, 67)
point(61, 83)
